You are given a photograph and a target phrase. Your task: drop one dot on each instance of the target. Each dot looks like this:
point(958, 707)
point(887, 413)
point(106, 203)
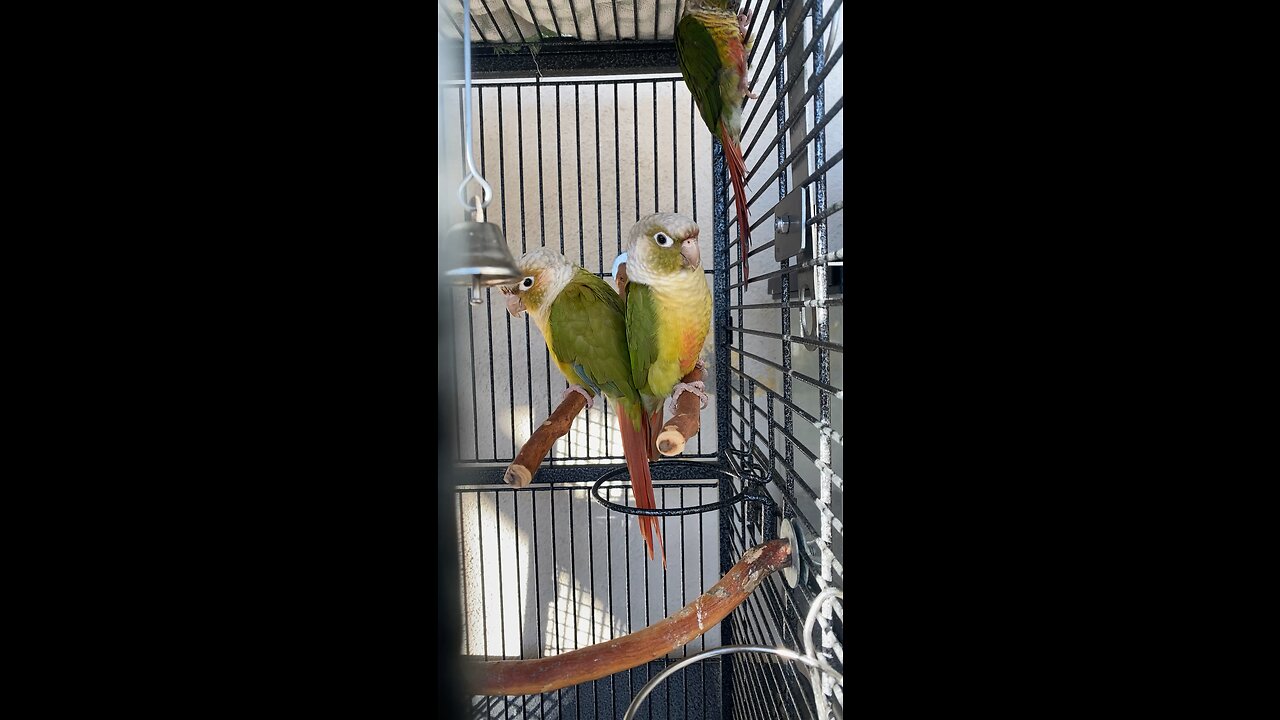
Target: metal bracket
point(791, 236)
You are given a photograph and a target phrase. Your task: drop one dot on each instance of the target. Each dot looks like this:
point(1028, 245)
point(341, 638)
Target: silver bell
point(480, 257)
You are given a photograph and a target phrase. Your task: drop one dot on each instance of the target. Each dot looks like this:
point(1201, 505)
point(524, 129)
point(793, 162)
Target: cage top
point(521, 22)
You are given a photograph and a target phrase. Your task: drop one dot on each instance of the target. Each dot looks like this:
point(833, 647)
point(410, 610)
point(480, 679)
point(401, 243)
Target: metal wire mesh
point(573, 163)
point(552, 152)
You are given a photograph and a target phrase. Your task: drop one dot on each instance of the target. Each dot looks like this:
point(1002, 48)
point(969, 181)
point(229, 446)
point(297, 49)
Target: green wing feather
point(700, 63)
point(642, 334)
point(588, 331)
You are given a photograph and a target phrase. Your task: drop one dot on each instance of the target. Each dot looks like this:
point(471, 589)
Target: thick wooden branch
point(687, 420)
point(521, 470)
point(527, 677)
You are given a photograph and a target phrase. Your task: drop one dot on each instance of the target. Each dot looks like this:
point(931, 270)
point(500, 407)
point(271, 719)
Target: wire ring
point(634, 707)
point(671, 512)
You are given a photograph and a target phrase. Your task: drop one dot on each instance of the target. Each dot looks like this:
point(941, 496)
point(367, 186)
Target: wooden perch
point(520, 472)
point(527, 677)
point(687, 420)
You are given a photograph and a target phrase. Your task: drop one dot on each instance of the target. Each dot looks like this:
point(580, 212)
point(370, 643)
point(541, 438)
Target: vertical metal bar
point(537, 574)
point(574, 606)
point(457, 379)
point(720, 233)
point(542, 236)
point(582, 250)
point(573, 13)
point(635, 111)
point(595, 20)
point(462, 553)
point(515, 26)
point(555, 22)
point(785, 279)
point(484, 595)
point(595, 93)
point(506, 232)
point(666, 609)
point(475, 402)
point(568, 436)
point(702, 587)
point(617, 30)
point(608, 543)
point(528, 327)
point(502, 607)
point(657, 186)
point(675, 153)
point(515, 522)
point(488, 294)
point(693, 184)
point(720, 282)
point(617, 163)
point(627, 555)
point(657, 12)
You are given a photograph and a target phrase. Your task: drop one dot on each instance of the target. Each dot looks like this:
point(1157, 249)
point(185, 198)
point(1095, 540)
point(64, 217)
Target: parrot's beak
point(690, 253)
point(515, 305)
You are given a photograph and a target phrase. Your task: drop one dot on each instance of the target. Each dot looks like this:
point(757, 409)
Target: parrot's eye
point(528, 282)
point(663, 240)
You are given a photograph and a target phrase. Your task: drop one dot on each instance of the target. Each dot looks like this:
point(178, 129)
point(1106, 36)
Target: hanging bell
point(480, 257)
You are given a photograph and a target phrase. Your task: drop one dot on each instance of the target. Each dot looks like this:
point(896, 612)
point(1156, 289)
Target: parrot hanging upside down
point(668, 311)
point(711, 48)
point(581, 319)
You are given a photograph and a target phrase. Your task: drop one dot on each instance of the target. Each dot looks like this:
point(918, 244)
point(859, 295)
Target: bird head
point(662, 244)
point(545, 273)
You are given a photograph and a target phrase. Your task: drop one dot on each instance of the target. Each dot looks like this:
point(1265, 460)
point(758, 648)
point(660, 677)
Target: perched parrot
point(581, 319)
point(668, 311)
point(711, 48)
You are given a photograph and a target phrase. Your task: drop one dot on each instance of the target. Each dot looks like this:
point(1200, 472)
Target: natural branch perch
point(527, 677)
point(687, 420)
point(520, 471)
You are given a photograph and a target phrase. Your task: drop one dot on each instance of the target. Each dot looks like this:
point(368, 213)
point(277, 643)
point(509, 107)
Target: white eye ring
point(663, 240)
point(528, 282)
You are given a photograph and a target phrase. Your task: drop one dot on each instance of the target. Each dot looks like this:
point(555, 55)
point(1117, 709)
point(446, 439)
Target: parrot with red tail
point(582, 320)
point(668, 313)
point(711, 48)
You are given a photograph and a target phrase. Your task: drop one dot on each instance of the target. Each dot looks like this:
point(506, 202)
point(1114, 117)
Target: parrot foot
point(744, 23)
point(697, 387)
point(581, 391)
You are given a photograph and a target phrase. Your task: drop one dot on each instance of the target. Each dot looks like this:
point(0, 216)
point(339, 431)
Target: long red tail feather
point(738, 178)
point(634, 440)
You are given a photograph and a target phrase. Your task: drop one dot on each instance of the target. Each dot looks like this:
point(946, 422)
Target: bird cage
point(582, 125)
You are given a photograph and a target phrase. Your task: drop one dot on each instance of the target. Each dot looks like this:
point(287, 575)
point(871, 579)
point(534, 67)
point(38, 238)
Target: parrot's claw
point(581, 391)
point(696, 387)
point(744, 23)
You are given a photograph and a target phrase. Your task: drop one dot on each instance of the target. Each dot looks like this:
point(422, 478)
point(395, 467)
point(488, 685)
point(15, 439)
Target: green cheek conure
point(668, 311)
point(581, 319)
point(711, 49)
